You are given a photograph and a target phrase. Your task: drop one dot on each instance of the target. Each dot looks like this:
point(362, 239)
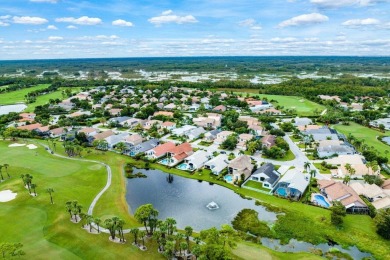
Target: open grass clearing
point(369, 136)
point(256, 185)
point(303, 106)
point(17, 96)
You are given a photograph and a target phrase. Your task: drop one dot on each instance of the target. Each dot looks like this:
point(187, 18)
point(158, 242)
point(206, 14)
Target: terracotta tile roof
point(182, 151)
point(163, 149)
point(88, 130)
point(29, 127)
point(168, 123)
point(386, 184)
point(103, 135)
point(164, 113)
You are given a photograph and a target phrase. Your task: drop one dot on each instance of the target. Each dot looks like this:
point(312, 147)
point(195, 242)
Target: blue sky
point(42, 29)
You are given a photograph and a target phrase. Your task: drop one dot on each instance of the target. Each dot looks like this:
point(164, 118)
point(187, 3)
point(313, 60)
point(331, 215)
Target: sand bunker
point(16, 145)
point(7, 195)
point(32, 146)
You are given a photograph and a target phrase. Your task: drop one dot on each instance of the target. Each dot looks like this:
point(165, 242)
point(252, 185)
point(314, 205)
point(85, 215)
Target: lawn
point(45, 229)
point(303, 106)
point(322, 168)
point(203, 143)
point(18, 95)
point(59, 237)
point(369, 135)
point(256, 185)
point(288, 157)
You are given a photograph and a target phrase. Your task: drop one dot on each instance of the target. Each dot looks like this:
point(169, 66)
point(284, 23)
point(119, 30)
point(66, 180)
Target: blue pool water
point(165, 161)
point(321, 201)
point(182, 166)
point(228, 178)
point(281, 192)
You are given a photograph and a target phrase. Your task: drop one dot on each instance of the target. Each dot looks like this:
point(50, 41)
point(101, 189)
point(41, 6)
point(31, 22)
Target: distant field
point(367, 134)
point(18, 95)
point(303, 106)
point(44, 99)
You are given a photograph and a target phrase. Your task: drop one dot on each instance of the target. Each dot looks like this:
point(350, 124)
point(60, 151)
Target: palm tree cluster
point(74, 209)
point(6, 170)
point(72, 149)
point(27, 181)
point(115, 226)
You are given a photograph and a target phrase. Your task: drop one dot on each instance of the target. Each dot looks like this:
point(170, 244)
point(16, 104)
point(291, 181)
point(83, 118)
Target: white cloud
point(361, 22)
point(250, 23)
point(121, 22)
point(84, 20)
point(112, 37)
point(3, 24)
point(340, 3)
point(55, 38)
point(29, 20)
point(304, 19)
point(5, 17)
point(52, 27)
point(169, 17)
point(45, 1)
point(71, 27)
point(284, 40)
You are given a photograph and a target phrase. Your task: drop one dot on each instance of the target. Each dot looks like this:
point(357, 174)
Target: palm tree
point(68, 206)
point(121, 147)
point(98, 221)
point(34, 186)
point(313, 173)
point(306, 165)
point(347, 179)
point(171, 222)
point(27, 181)
point(183, 246)
point(188, 232)
point(89, 219)
point(1, 174)
point(119, 225)
point(110, 225)
point(7, 165)
point(135, 232)
point(50, 191)
point(142, 234)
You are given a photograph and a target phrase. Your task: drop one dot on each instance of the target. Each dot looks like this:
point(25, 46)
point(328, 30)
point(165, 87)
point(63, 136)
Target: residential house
point(119, 120)
point(197, 160)
point(386, 184)
point(267, 175)
point(160, 150)
point(221, 137)
point(113, 140)
point(292, 184)
point(170, 106)
point(103, 135)
point(356, 162)
point(195, 133)
point(220, 109)
point(29, 127)
point(256, 130)
point(193, 108)
point(142, 147)
point(337, 191)
point(243, 139)
point(379, 198)
point(211, 135)
point(270, 111)
point(323, 133)
point(331, 150)
point(326, 97)
point(163, 113)
point(148, 124)
point(182, 131)
point(268, 141)
point(132, 122)
point(168, 125)
point(240, 166)
point(179, 153)
point(57, 132)
point(88, 131)
point(133, 140)
point(217, 164)
point(115, 111)
point(30, 117)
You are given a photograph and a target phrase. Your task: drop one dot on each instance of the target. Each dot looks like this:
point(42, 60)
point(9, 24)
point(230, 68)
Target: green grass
point(250, 251)
point(369, 135)
point(203, 143)
point(321, 168)
point(303, 106)
point(256, 185)
point(45, 229)
point(288, 157)
point(18, 95)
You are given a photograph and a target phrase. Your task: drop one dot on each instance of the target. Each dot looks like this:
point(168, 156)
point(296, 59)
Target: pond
point(12, 108)
point(386, 139)
point(299, 246)
point(192, 203)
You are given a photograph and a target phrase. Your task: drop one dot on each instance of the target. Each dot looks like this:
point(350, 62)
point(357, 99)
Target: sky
point(48, 29)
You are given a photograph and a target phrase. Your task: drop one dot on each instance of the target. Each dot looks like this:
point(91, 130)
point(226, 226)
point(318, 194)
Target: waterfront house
point(197, 160)
point(217, 164)
point(267, 175)
point(161, 150)
point(142, 147)
point(240, 167)
point(292, 184)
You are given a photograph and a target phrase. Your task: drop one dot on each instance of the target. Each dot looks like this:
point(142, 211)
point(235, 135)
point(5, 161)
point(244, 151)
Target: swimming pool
point(165, 161)
point(281, 192)
point(183, 166)
point(228, 178)
point(320, 200)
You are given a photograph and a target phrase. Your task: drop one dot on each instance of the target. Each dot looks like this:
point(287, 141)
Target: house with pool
point(160, 150)
point(195, 161)
point(142, 147)
point(240, 166)
point(267, 175)
point(338, 191)
point(217, 164)
point(177, 154)
point(292, 184)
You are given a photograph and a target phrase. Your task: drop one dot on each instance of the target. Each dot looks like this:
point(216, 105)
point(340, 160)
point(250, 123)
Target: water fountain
point(212, 206)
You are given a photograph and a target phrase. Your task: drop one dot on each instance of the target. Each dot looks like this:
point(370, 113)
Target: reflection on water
point(186, 200)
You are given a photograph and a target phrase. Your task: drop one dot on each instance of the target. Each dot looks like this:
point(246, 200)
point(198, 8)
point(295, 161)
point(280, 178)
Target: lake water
point(12, 108)
point(186, 199)
point(386, 139)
